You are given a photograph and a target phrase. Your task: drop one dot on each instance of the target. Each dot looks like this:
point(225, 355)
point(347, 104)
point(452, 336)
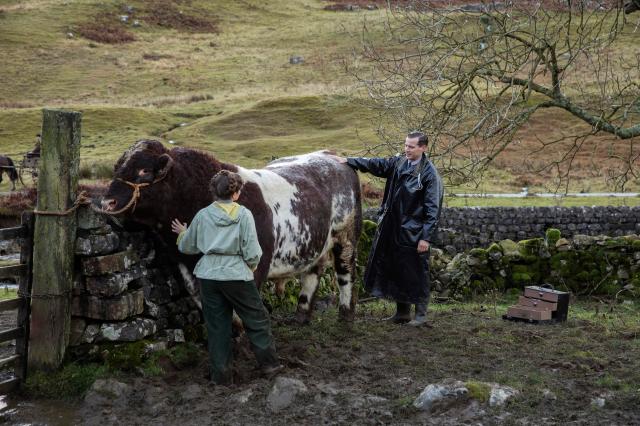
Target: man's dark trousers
point(219, 300)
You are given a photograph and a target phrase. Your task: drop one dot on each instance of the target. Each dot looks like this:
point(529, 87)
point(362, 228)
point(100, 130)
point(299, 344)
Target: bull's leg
point(309, 282)
point(344, 258)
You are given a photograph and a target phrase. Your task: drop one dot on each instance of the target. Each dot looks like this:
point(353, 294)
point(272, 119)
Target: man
point(398, 265)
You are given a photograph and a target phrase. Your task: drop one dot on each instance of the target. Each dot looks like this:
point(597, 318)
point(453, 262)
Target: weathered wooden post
point(54, 238)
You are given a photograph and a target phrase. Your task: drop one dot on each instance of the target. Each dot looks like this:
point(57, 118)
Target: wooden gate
point(24, 233)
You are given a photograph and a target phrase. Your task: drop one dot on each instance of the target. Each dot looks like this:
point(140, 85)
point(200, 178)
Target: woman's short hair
point(224, 184)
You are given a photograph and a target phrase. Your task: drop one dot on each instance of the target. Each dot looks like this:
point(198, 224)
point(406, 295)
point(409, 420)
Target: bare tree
point(473, 77)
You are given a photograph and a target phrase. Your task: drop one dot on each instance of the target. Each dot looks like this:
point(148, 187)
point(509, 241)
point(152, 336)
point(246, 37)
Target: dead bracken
point(106, 28)
point(165, 13)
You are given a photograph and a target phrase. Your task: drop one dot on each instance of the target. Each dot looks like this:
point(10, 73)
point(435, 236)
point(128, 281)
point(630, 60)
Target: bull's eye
point(143, 172)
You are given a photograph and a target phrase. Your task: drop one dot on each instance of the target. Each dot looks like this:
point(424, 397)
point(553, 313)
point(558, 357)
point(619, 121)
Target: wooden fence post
point(54, 239)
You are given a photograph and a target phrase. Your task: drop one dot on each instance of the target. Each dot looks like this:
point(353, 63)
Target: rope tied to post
point(84, 199)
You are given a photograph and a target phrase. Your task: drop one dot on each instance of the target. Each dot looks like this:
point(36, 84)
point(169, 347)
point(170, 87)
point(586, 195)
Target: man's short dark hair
point(422, 138)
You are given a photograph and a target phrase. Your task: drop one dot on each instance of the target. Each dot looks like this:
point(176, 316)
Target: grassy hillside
point(210, 75)
point(231, 91)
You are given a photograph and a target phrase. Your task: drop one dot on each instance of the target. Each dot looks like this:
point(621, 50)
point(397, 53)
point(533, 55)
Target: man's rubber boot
point(421, 316)
point(402, 315)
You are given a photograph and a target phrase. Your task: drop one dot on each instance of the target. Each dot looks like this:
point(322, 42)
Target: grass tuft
point(71, 382)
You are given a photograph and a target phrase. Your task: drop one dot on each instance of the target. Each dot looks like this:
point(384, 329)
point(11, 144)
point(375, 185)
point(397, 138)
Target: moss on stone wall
point(584, 265)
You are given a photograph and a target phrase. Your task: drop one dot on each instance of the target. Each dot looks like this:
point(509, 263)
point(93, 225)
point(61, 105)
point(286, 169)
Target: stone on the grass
point(500, 394)
point(107, 392)
point(284, 392)
point(452, 391)
point(433, 393)
point(242, 397)
point(191, 392)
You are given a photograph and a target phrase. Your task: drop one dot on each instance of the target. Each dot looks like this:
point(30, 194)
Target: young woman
point(225, 233)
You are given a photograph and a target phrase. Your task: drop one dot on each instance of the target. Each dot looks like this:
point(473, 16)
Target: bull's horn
point(165, 169)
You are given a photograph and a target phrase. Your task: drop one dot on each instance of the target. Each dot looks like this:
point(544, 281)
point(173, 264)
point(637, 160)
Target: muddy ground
point(370, 372)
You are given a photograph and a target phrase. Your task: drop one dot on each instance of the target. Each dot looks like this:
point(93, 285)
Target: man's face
point(412, 150)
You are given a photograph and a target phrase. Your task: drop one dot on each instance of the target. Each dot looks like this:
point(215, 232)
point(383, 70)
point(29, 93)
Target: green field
point(230, 90)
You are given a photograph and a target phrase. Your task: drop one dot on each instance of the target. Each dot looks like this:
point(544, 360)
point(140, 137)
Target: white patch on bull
point(289, 236)
point(343, 211)
point(190, 284)
point(298, 160)
point(345, 290)
point(309, 283)
point(139, 146)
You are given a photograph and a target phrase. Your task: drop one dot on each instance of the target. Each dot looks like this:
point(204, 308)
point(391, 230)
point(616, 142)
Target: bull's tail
point(190, 284)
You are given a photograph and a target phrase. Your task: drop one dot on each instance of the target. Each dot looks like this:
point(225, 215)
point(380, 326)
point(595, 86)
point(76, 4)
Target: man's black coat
point(409, 213)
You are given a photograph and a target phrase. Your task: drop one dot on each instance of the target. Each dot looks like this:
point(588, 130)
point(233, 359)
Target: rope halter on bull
point(84, 199)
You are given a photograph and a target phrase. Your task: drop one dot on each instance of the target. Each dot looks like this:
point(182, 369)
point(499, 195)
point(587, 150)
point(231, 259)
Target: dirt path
point(371, 372)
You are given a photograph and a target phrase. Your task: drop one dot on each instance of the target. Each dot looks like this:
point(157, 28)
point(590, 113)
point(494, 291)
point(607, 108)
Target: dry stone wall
point(582, 265)
point(122, 293)
point(463, 228)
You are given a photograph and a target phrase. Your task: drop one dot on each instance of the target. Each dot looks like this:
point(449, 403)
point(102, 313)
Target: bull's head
point(135, 173)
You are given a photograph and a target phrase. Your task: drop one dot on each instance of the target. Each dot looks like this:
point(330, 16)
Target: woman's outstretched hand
point(177, 226)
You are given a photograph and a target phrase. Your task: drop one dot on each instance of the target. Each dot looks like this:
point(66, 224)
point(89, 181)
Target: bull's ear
point(163, 165)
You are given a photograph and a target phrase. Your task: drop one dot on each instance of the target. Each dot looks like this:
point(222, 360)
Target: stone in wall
point(116, 262)
point(88, 219)
point(90, 333)
point(129, 331)
point(151, 309)
point(114, 284)
point(96, 244)
point(115, 308)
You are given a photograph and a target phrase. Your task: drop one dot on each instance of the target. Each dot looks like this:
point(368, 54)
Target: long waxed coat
point(409, 213)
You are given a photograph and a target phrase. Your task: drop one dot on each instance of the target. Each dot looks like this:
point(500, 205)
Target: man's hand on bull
point(423, 246)
point(177, 226)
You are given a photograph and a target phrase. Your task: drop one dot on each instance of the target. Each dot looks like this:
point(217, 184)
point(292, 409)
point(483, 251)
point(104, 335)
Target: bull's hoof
point(303, 318)
point(346, 314)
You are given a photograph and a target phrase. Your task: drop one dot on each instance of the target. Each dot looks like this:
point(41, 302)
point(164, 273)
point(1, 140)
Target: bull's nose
point(108, 204)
